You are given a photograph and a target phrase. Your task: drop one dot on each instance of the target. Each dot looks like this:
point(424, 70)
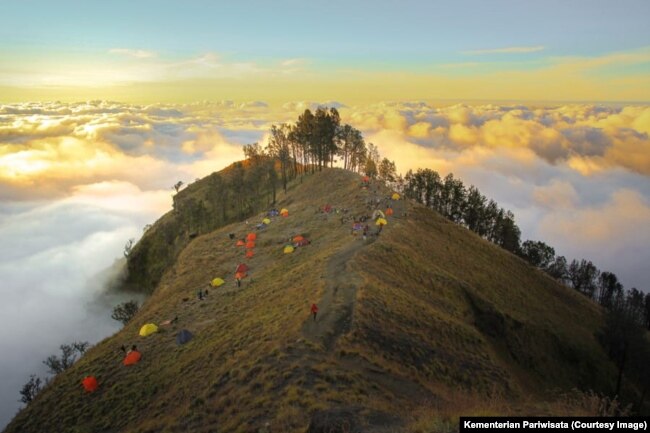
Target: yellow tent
point(288, 249)
point(381, 222)
point(284, 212)
point(395, 196)
point(148, 329)
point(217, 282)
point(266, 221)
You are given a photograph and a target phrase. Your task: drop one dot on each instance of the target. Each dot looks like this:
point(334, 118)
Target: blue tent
point(183, 337)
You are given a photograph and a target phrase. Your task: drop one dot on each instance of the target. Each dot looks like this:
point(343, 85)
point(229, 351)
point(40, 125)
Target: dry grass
point(442, 320)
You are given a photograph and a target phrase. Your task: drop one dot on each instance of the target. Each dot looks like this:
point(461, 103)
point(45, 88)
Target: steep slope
point(410, 318)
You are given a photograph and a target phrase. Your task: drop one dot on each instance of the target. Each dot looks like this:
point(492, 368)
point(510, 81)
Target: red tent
point(240, 243)
point(132, 357)
point(90, 383)
point(327, 208)
point(249, 254)
point(240, 275)
point(298, 238)
point(251, 237)
point(242, 267)
point(250, 244)
point(389, 211)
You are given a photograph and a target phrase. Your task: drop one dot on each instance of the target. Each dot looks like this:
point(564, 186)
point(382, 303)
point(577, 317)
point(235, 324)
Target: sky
point(544, 106)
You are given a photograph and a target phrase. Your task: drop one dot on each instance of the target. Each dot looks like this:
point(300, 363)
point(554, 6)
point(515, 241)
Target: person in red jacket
point(314, 310)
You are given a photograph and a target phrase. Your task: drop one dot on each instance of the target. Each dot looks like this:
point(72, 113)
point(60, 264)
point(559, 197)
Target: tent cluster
point(274, 212)
point(296, 241)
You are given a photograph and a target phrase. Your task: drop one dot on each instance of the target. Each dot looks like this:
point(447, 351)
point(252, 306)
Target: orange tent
point(240, 275)
point(251, 237)
point(249, 254)
point(389, 211)
point(242, 267)
point(250, 244)
point(132, 358)
point(366, 179)
point(298, 238)
point(90, 383)
point(240, 243)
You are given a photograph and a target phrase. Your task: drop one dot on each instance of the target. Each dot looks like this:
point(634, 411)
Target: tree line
point(317, 140)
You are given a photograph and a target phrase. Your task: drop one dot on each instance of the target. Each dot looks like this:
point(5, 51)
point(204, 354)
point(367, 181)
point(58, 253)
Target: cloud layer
point(77, 180)
point(576, 176)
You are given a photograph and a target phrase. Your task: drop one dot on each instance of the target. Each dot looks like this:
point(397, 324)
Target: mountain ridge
point(408, 319)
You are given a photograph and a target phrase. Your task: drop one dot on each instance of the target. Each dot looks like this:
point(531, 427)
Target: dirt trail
point(336, 307)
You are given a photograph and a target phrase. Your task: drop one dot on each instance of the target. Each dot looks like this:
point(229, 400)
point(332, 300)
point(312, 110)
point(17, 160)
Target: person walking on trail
point(314, 310)
point(238, 280)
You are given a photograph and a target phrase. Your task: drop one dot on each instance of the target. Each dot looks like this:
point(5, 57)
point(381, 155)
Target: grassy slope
point(438, 311)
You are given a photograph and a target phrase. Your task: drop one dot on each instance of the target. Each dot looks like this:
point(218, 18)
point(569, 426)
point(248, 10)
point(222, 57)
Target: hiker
point(232, 236)
point(123, 348)
point(238, 282)
point(200, 294)
point(365, 231)
point(314, 310)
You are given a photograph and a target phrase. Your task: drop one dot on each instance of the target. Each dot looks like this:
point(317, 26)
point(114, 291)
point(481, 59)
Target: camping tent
point(366, 179)
point(284, 212)
point(266, 221)
point(251, 236)
point(288, 249)
point(395, 196)
point(377, 214)
point(327, 208)
point(217, 282)
point(389, 211)
point(90, 383)
point(240, 275)
point(183, 337)
point(298, 238)
point(242, 267)
point(381, 222)
point(133, 357)
point(249, 254)
point(250, 245)
point(148, 329)
point(240, 243)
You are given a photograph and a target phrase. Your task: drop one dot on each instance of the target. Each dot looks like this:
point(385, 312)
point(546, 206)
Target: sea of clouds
point(77, 180)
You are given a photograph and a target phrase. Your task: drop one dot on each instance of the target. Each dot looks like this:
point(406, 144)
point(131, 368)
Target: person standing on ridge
point(314, 310)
